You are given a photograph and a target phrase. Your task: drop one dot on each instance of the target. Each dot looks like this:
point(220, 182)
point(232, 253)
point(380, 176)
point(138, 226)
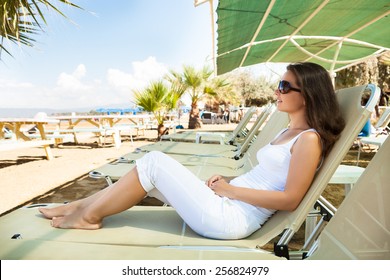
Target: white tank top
point(269, 174)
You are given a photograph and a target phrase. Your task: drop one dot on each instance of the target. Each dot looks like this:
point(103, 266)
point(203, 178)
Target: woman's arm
point(306, 155)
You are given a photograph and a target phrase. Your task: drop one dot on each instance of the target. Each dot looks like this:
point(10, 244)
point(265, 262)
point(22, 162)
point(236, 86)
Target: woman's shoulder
point(309, 137)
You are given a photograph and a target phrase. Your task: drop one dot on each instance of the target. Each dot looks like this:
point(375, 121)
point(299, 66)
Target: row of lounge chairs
point(227, 137)
point(360, 228)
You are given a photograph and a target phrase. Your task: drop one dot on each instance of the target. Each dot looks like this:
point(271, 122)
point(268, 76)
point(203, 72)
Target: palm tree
point(197, 84)
point(159, 99)
point(20, 19)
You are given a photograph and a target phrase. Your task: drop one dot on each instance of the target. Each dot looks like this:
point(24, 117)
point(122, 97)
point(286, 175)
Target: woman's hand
point(219, 185)
point(213, 179)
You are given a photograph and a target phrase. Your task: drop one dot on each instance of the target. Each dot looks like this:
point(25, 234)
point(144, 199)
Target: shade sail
point(333, 33)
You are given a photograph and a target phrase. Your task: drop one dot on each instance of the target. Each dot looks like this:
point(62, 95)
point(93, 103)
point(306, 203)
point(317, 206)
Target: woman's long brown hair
point(322, 108)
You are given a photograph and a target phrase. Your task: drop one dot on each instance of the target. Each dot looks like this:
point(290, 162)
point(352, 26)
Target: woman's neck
point(298, 123)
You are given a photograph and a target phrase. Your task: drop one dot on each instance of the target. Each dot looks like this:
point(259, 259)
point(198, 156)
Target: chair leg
point(311, 221)
point(131, 139)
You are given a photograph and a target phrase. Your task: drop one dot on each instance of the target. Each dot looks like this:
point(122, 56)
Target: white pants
point(205, 212)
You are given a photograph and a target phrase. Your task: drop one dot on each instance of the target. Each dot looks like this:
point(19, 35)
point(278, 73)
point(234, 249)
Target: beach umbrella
point(118, 110)
point(131, 110)
point(334, 33)
point(101, 110)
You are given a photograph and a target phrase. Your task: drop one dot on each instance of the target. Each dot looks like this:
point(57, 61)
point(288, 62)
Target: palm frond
point(210, 90)
point(206, 72)
point(154, 99)
point(192, 78)
point(21, 19)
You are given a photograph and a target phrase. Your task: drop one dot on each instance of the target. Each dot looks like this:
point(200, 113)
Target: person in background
point(226, 115)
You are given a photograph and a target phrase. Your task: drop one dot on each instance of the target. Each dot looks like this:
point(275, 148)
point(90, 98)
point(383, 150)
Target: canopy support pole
point(213, 56)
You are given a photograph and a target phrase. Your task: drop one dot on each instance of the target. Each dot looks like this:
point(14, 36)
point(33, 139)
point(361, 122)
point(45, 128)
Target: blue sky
point(106, 51)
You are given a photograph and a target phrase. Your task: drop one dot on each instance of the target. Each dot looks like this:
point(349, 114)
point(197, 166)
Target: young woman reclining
point(222, 208)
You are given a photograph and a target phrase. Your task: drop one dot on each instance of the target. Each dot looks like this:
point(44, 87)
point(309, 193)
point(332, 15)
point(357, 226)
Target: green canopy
point(333, 33)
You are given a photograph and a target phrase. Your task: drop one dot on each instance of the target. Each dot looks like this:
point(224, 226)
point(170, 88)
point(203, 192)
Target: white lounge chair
point(228, 137)
point(377, 140)
point(383, 121)
point(360, 229)
point(378, 134)
point(211, 150)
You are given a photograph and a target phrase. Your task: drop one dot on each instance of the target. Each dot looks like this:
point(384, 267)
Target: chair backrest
point(360, 229)
point(383, 120)
point(207, 116)
point(243, 123)
point(254, 131)
point(355, 117)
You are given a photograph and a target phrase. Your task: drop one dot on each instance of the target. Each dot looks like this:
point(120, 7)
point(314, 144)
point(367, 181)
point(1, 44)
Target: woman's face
point(291, 101)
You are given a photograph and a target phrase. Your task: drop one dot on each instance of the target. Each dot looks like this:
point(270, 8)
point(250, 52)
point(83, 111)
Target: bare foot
point(75, 221)
point(59, 211)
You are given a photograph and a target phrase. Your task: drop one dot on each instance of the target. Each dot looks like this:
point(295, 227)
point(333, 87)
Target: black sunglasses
point(284, 87)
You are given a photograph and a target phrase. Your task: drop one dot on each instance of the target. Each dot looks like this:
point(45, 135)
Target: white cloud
point(19, 94)
point(143, 73)
point(78, 90)
point(7, 84)
point(72, 82)
point(148, 69)
point(118, 79)
point(80, 71)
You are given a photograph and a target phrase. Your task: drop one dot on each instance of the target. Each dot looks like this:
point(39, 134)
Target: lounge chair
point(228, 137)
point(382, 124)
point(347, 175)
point(7, 133)
point(377, 140)
point(355, 117)
point(159, 233)
point(211, 150)
point(360, 229)
point(378, 133)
